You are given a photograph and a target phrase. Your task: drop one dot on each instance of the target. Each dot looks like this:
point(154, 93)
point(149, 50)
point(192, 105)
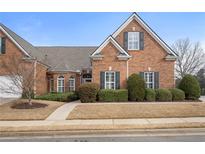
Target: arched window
point(71, 84)
point(60, 84)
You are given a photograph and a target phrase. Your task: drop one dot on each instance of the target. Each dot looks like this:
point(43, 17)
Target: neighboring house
point(132, 48)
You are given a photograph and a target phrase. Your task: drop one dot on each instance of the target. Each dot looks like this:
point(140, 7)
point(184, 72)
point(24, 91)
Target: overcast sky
point(91, 29)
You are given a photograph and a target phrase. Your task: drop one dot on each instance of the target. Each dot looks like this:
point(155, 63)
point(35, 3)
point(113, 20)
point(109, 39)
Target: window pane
point(107, 85)
point(133, 40)
point(61, 84)
point(112, 77)
point(107, 77)
point(149, 79)
point(112, 86)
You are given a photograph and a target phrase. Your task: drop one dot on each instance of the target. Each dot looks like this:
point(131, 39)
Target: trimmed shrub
point(136, 88)
point(190, 86)
point(163, 95)
point(177, 94)
point(121, 95)
point(109, 95)
point(88, 92)
point(150, 95)
point(106, 95)
point(61, 97)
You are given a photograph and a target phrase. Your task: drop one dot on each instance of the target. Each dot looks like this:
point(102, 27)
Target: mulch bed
point(26, 105)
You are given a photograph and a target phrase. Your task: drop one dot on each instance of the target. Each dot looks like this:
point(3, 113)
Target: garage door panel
point(8, 89)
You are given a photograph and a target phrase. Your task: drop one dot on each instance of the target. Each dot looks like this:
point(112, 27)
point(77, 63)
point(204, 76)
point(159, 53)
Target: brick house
point(133, 48)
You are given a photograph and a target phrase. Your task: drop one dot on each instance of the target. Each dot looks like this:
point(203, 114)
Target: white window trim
point(148, 78)
point(84, 79)
point(61, 86)
point(73, 79)
point(109, 81)
point(138, 33)
point(50, 89)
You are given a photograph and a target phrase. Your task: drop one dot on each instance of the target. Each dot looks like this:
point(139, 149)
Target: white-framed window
point(60, 84)
point(133, 40)
point(149, 79)
point(110, 80)
point(51, 85)
point(71, 84)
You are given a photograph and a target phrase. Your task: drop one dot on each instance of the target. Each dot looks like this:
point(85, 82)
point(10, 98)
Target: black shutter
point(3, 45)
point(117, 80)
point(156, 80)
point(141, 40)
point(142, 74)
point(126, 41)
point(102, 80)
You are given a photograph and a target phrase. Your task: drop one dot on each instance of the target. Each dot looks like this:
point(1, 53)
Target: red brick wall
point(66, 76)
point(41, 79)
point(11, 50)
point(110, 59)
point(152, 56)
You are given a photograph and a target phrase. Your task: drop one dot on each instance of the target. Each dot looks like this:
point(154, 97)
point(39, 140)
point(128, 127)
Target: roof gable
point(5, 31)
point(134, 16)
point(110, 39)
point(27, 48)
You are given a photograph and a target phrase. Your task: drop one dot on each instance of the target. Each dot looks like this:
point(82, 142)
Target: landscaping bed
point(16, 110)
point(137, 110)
point(60, 97)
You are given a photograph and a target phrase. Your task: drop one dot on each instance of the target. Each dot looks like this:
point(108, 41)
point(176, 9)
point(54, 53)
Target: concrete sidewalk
point(104, 124)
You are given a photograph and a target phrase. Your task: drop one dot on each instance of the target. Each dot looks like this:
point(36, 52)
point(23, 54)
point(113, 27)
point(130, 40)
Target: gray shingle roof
point(29, 48)
point(67, 58)
point(58, 58)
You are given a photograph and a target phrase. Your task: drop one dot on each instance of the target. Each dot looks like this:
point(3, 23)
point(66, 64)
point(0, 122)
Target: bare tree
point(190, 57)
point(22, 75)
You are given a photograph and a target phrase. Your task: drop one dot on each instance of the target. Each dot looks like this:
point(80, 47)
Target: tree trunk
point(29, 101)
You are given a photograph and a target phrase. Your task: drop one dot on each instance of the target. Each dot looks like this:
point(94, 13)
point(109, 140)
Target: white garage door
point(5, 85)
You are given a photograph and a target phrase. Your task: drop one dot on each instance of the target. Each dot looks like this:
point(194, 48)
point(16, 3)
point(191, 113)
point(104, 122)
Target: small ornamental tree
point(136, 88)
point(23, 76)
point(190, 86)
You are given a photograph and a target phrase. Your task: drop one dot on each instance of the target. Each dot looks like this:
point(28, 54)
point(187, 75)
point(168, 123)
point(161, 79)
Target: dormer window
point(2, 45)
point(133, 40)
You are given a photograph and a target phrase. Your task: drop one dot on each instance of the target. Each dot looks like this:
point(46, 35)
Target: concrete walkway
point(62, 112)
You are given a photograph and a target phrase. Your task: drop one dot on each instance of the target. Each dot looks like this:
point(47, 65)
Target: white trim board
point(134, 16)
point(108, 40)
point(14, 41)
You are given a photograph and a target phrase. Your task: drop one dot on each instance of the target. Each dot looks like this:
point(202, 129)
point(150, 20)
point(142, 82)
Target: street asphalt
point(160, 135)
point(187, 138)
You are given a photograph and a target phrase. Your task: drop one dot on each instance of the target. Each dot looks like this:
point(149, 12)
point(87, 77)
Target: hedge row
point(164, 95)
point(61, 97)
point(106, 95)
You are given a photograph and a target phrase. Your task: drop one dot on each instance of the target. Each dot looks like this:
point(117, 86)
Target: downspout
point(127, 68)
point(34, 83)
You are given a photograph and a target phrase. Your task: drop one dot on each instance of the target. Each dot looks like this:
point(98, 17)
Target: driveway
point(6, 100)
